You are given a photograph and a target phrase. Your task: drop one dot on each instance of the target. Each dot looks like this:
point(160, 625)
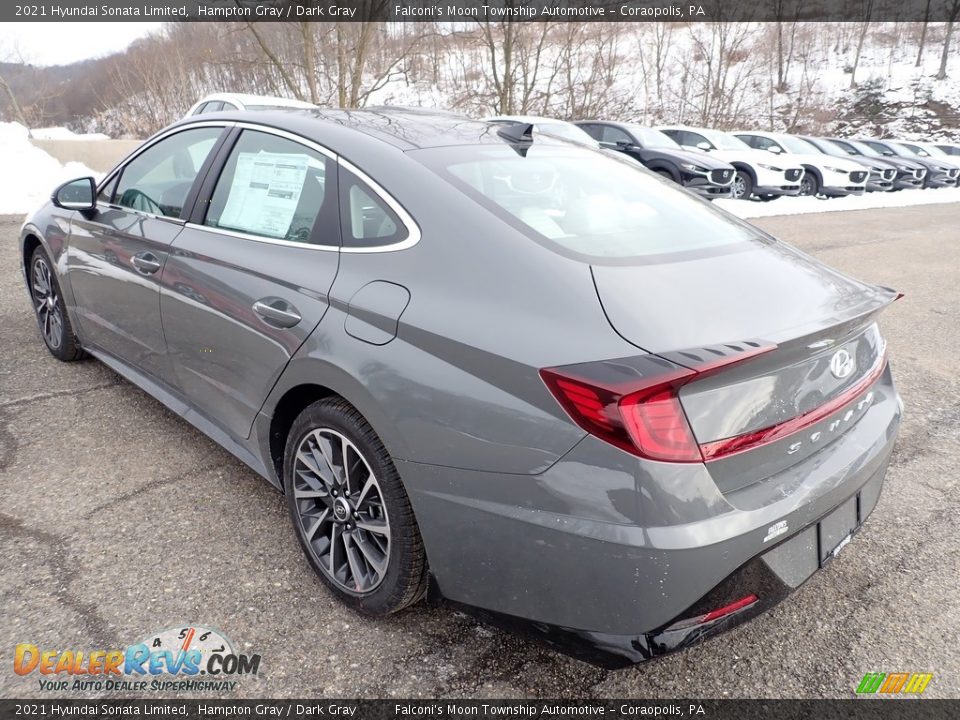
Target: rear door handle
point(146, 263)
point(277, 311)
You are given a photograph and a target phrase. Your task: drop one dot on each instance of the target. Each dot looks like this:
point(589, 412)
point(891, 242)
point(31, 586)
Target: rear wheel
point(350, 512)
point(55, 327)
point(742, 186)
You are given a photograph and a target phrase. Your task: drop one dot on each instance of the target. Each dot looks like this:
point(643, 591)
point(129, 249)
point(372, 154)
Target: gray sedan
point(485, 365)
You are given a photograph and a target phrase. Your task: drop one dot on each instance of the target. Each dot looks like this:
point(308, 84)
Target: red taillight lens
point(633, 402)
point(658, 426)
point(648, 422)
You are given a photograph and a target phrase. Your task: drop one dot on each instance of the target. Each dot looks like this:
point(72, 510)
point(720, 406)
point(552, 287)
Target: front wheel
point(809, 185)
point(350, 512)
point(742, 186)
point(55, 327)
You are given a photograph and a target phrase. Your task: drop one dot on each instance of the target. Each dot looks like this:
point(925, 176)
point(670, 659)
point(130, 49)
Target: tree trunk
point(945, 55)
point(923, 34)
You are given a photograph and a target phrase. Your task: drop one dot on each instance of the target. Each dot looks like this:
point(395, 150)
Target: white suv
point(825, 175)
point(758, 174)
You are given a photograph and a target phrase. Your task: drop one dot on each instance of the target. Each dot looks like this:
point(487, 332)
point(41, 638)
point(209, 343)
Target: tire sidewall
point(64, 351)
point(326, 414)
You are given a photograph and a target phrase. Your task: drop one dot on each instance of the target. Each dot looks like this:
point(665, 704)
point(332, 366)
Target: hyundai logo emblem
point(842, 364)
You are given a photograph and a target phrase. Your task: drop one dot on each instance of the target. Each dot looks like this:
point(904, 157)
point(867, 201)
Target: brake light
point(633, 403)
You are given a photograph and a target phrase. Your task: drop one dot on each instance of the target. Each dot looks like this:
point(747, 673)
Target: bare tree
point(953, 9)
point(866, 7)
point(923, 33)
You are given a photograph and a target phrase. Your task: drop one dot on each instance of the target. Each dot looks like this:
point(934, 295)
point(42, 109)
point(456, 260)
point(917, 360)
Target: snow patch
point(869, 201)
point(32, 174)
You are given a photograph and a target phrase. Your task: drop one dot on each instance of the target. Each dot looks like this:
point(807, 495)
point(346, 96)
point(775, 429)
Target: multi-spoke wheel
point(48, 305)
point(350, 511)
point(342, 514)
point(742, 186)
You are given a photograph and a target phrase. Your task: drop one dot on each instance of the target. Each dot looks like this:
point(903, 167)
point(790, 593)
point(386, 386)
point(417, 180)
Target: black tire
point(743, 181)
point(768, 198)
point(52, 317)
point(809, 185)
point(404, 580)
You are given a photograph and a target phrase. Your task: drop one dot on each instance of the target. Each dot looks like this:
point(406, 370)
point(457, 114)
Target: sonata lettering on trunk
point(835, 425)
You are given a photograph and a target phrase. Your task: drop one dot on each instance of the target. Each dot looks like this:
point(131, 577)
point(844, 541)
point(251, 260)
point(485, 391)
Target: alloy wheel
point(739, 187)
point(47, 303)
point(806, 186)
point(342, 515)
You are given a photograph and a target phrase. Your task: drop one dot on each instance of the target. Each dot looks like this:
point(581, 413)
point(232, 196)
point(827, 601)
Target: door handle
point(277, 311)
point(146, 263)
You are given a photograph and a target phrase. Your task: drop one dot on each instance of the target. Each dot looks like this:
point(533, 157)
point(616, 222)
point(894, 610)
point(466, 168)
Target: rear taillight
point(646, 421)
point(633, 403)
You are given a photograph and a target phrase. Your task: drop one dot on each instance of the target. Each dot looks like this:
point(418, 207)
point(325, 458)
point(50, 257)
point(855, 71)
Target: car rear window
point(584, 202)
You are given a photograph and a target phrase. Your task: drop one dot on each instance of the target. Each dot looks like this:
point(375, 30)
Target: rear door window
point(158, 180)
point(276, 188)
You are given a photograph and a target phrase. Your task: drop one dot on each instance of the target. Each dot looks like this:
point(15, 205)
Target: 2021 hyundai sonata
point(485, 365)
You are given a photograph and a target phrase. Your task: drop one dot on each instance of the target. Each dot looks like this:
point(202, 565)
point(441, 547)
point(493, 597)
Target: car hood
point(757, 157)
point(698, 158)
point(756, 290)
point(827, 160)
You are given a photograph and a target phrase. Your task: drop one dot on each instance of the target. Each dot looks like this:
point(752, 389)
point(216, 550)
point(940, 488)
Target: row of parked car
point(765, 165)
point(742, 165)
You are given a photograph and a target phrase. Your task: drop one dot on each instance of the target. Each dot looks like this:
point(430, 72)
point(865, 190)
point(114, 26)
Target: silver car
point(485, 365)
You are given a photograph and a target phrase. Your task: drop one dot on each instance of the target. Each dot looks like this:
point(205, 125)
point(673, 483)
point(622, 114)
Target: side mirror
point(80, 194)
point(704, 145)
point(775, 149)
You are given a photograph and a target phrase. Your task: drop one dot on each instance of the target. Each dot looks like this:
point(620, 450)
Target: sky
point(60, 43)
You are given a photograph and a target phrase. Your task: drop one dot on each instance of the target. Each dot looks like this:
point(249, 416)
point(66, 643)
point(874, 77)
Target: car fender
point(53, 237)
point(747, 168)
point(661, 165)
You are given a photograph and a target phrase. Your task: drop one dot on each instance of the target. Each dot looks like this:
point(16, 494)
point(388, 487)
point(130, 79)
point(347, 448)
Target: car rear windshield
point(587, 203)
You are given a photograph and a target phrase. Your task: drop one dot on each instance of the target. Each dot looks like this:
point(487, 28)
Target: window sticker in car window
point(265, 193)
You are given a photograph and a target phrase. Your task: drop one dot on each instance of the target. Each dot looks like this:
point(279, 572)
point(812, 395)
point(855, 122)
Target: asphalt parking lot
point(118, 519)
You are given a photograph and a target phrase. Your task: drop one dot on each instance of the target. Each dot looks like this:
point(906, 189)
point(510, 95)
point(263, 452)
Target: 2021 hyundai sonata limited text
point(515, 373)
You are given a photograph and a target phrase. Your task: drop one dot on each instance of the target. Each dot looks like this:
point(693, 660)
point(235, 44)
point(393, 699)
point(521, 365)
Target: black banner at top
point(481, 10)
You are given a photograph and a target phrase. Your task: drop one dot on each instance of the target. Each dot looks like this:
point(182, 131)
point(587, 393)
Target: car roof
point(404, 128)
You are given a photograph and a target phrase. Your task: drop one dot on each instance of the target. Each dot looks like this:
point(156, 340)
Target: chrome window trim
point(413, 230)
point(150, 142)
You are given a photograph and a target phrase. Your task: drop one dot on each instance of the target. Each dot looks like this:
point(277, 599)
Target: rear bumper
point(771, 577)
point(603, 552)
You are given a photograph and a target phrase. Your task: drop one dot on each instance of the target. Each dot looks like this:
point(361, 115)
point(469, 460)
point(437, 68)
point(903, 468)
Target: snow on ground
point(62, 133)
point(31, 173)
point(803, 205)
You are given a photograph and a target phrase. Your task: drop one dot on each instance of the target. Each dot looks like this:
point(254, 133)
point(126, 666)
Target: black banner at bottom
point(858, 709)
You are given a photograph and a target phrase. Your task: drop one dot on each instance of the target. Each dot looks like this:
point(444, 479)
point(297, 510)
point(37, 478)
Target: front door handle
point(146, 263)
point(277, 311)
